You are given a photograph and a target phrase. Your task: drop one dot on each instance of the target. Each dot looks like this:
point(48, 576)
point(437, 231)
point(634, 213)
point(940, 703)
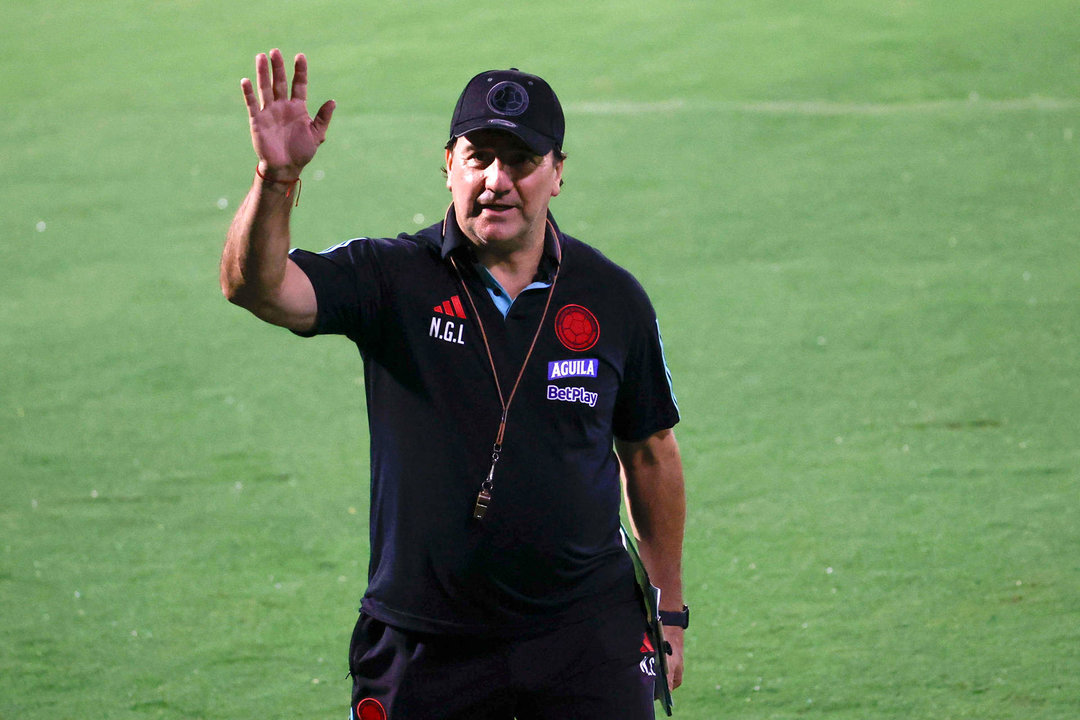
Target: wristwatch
point(676, 618)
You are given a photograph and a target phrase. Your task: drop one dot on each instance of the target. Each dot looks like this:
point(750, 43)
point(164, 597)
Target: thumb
point(322, 119)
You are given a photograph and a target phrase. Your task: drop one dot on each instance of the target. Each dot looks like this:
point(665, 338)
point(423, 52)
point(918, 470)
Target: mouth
point(493, 208)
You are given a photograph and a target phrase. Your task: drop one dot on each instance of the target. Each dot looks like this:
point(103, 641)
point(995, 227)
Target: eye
point(521, 159)
point(479, 159)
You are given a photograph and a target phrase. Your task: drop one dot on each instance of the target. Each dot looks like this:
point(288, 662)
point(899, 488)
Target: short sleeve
point(346, 280)
point(646, 402)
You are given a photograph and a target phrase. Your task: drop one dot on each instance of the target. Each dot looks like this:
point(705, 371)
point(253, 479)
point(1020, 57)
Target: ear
point(556, 182)
point(449, 167)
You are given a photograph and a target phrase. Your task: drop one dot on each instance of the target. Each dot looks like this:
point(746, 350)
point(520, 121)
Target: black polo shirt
point(548, 551)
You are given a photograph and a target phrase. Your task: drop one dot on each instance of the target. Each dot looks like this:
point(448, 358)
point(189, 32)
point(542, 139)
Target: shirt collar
point(455, 241)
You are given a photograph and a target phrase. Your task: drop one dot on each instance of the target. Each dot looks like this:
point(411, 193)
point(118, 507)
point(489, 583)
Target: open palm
point(284, 136)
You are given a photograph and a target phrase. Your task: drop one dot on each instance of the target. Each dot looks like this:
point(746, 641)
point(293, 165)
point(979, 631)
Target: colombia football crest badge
point(369, 709)
point(576, 328)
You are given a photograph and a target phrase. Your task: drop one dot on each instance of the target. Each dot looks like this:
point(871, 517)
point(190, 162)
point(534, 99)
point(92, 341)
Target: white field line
point(823, 107)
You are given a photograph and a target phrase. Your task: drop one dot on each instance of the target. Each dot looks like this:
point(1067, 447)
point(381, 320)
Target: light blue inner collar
point(499, 296)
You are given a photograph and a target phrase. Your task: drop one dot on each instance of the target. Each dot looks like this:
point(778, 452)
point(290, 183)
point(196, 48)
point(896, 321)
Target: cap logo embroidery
point(508, 98)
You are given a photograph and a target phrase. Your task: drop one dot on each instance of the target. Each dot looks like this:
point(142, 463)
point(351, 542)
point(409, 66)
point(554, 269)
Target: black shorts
point(599, 669)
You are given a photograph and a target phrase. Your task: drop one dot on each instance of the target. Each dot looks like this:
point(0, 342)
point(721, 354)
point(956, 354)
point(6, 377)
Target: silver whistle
point(483, 498)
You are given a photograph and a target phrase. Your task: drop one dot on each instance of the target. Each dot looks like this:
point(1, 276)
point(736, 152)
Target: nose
point(497, 177)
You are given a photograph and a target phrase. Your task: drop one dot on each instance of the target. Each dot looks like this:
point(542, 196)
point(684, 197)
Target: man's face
point(501, 189)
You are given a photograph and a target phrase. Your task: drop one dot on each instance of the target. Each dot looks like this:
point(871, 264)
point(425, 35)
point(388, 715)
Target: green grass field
point(858, 222)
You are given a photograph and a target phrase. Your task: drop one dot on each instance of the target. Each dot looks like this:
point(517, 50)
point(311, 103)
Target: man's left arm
point(656, 500)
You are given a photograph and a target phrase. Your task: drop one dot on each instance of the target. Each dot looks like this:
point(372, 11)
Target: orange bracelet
point(291, 183)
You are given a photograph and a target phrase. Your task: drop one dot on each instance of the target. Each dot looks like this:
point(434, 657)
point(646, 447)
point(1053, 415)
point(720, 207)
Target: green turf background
point(858, 222)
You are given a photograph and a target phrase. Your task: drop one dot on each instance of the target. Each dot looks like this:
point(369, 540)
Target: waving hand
point(285, 137)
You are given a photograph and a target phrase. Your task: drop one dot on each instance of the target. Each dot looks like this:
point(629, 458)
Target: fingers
point(676, 662)
point(280, 81)
point(322, 120)
point(270, 75)
point(299, 82)
point(250, 100)
point(272, 83)
point(262, 77)
point(675, 679)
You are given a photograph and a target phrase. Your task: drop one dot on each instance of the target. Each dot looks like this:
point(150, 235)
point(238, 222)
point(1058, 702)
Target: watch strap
point(676, 618)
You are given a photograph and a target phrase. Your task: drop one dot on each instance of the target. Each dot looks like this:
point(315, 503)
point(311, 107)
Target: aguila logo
point(577, 328)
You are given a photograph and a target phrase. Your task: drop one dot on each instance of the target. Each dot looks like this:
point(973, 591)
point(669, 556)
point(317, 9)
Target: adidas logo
point(451, 307)
point(445, 329)
point(648, 662)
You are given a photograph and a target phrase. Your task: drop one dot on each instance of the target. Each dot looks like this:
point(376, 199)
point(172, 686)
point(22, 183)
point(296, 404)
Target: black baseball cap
point(513, 101)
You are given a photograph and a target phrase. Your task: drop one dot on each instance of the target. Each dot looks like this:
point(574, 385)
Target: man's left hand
point(674, 637)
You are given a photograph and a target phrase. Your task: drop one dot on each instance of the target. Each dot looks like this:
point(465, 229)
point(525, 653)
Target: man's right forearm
point(256, 246)
point(255, 267)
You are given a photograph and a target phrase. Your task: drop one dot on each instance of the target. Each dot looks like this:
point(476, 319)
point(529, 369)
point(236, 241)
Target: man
point(503, 360)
